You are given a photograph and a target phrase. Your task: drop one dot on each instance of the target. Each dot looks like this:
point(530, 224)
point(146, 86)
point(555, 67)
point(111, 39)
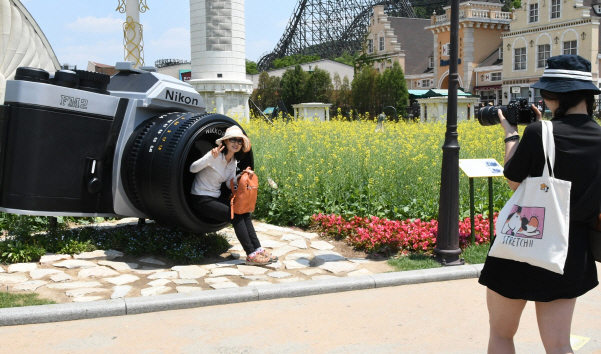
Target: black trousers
point(218, 209)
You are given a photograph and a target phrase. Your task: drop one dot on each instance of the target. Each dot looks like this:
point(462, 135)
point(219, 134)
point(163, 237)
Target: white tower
point(218, 56)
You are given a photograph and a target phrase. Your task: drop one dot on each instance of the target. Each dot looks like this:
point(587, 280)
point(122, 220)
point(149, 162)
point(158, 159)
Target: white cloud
point(172, 44)
point(91, 24)
point(105, 52)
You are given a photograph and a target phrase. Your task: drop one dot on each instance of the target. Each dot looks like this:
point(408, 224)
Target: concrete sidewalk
point(440, 317)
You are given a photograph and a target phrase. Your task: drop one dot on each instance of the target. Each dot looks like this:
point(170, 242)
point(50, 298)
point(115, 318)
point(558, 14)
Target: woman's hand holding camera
point(513, 129)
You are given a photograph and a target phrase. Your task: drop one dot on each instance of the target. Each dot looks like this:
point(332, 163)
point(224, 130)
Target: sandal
point(258, 259)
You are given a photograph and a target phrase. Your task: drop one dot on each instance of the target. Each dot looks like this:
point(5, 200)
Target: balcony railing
point(475, 14)
point(499, 15)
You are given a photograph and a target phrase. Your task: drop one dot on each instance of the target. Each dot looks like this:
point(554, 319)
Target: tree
point(345, 95)
point(516, 4)
point(347, 58)
point(267, 92)
point(319, 86)
point(251, 67)
point(392, 89)
point(364, 90)
point(292, 60)
point(293, 86)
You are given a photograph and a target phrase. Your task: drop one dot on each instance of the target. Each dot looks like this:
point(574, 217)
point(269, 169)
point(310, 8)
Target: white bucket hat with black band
point(235, 132)
point(565, 73)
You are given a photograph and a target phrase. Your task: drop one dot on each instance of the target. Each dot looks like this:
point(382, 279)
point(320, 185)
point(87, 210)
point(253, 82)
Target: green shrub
point(14, 251)
point(75, 247)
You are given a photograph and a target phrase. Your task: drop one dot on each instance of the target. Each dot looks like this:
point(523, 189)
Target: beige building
point(481, 25)
point(402, 40)
point(545, 28)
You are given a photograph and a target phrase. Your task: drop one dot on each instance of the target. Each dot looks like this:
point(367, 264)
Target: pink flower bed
point(374, 234)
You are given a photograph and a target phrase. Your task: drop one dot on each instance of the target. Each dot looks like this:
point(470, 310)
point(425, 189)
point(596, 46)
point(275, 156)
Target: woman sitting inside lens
point(216, 167)
point(568, 91)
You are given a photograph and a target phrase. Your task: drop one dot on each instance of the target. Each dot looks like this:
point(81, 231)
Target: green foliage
point(75, 247)
point(476, 254)
point(347, 169)
point(347, 58)
point(516, 4)
point(364, 89)
point(15, 251)
point(293, 86)
point(318, 87)
point(413, 261)
point(372, 91)
point(24, 245)
point(293, 60)
point(19, 300)
point(251, 67)
point(268, 90)
point(393, 89)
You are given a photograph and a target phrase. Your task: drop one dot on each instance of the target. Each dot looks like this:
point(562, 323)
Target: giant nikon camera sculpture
point(86, 144)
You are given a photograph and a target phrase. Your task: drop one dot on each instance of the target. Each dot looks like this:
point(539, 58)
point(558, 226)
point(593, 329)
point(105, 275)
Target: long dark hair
point(568, 100)
point(237, 155)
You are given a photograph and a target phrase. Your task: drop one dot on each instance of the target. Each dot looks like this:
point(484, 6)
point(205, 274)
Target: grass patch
point(20, 300)
point(476, 254)
point(413, 262)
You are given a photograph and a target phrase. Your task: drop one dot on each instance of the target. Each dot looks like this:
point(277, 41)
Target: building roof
point(415, 41)
point(102, 65)
point(492, 60)
point(444, 92)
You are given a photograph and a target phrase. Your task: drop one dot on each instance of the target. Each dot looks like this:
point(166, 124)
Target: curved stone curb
point(129, 306)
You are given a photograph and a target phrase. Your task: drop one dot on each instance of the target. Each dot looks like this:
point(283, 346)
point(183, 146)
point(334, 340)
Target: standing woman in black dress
point(568, 91)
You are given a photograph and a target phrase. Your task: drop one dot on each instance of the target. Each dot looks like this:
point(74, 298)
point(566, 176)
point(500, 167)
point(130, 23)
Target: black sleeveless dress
point(577, 159)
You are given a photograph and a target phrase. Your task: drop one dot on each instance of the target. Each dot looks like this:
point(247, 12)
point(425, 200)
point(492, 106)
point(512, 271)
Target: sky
point(85, 30)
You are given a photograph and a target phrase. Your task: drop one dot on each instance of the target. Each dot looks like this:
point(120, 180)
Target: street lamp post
point(447, 249)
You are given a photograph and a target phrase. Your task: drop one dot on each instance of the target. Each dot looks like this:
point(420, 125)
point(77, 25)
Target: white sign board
point(516, 89)
point(481, 168)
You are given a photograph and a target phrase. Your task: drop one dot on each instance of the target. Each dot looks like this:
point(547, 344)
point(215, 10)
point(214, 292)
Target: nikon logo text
point(179, 98)
point(74, 102)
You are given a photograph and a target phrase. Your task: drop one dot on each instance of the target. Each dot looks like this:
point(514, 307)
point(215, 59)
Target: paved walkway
point(101, 275)
point(442, 317)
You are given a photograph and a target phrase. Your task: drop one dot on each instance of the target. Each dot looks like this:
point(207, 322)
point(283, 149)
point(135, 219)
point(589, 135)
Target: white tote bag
point(533, 226)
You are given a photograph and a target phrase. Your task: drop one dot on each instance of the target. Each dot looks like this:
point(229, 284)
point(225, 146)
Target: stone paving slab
point(150, 277)
point(22, 267)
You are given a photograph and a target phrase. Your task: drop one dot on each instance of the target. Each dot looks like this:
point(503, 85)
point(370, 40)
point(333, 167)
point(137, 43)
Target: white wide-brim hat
point(235, 132)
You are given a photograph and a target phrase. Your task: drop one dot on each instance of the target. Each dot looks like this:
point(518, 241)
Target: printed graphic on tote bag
point(525, 222)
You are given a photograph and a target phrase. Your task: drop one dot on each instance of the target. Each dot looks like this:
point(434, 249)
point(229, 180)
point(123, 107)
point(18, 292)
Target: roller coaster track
point(330, 27)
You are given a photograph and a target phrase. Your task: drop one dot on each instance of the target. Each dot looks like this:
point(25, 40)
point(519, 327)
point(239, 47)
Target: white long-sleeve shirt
point(211, 173)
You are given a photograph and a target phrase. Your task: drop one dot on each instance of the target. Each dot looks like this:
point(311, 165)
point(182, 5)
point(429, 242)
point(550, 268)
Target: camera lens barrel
point(156, 161)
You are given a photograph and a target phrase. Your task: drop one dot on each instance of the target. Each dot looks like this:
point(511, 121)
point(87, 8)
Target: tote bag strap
point(548, 147)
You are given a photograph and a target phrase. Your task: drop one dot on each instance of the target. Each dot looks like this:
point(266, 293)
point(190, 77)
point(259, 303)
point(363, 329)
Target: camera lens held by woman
point(541, 251)
point(517, 112)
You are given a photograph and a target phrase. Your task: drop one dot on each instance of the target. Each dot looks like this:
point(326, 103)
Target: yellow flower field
point(349, 169)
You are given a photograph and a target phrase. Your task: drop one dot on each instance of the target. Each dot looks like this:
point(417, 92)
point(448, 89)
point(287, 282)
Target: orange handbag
point(244, 198)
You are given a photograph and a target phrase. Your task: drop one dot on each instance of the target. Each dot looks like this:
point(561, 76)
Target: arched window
point(381, 44)
point(520, 56)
